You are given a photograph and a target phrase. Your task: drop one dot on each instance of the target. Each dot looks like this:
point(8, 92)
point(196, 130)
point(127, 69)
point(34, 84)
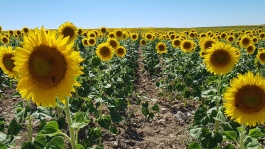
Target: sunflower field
point(73, 87)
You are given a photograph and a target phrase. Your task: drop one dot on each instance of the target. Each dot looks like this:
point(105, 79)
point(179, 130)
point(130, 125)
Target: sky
point(88, 14)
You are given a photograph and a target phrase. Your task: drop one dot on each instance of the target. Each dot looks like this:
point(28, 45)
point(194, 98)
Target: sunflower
point(79, 32)
point(134, 36)
point(255, 40)
point(120, 51)
point(6, 62)
point(0, 28)
point(47, 66)
point(105, 51)
point(111, 35)
point(244, 100)
point(172, 36)
point(188, 45)
point(245, 41)
point(192, 34)
point(251, 49)
point(25, 30)
point(262, 35)
point(92, 41)
point(161, 48)
point(103, 30)
point(221, 58)
point(10, 32)
point(118, 34)
point(19, 33)
point(176, 43)
point(149, 36)
point(85, 42)
point(91, 34)
point(5, 40)
point(143, 42)
point(113, 43)
point(230, 38)
point(206, 43)
point(68, 29)
point(223, 35)
point(261, 56)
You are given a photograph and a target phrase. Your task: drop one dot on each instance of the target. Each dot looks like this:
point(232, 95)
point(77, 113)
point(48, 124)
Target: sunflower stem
point(242, 136)
point(217, 102)
point(69, 121)
point(30, 123)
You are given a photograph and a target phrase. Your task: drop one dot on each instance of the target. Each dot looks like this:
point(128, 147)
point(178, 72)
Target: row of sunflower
point(218, 71)
point(74, 80)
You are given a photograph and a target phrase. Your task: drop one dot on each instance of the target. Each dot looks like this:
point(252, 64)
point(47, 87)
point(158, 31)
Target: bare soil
point(164, 131)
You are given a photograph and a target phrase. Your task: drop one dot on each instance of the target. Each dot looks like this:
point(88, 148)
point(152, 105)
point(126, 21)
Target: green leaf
point(256, 133)
point(114, 130)
point(194, 145)
point(56, 143)
point(200, 116)
point(155, 107)
point(209, 93)
point(2, 136)
point(104, 121)
point(2, 126)
point(251, 143)
point(40, 142)
point(2, 146)
point(79, 120)
point(220, 116)
point(94, 133)
point(27, 145)
point(231, 135)
point(199, 132)
point(51, 129)
point(14, 128)
point(79, 146)
point(42, 113)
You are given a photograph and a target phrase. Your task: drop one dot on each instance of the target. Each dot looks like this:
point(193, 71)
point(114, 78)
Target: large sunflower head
point(47, 66)
point(176, 43)
point(6, 62)
point(244, 100)
point(120, 51)
point(188, 45)
point(161, 48)
point(221, 58)
point(105, 51)
point(68, 29)
point(4, 40)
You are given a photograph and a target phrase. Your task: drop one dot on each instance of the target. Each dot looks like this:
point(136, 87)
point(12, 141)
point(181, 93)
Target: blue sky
point(15, 14)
